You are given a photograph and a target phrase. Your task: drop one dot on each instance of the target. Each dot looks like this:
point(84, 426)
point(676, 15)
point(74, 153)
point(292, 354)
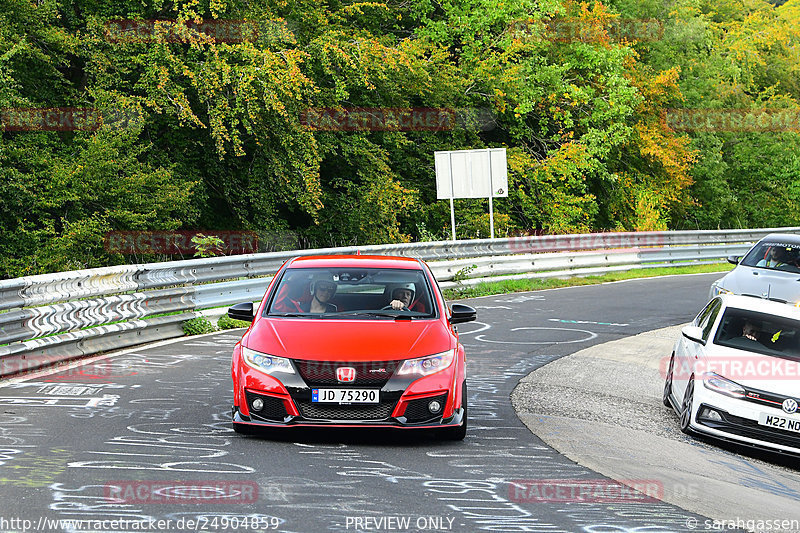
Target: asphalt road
point(142, 441)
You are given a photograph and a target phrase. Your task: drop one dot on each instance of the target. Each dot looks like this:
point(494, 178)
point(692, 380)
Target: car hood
point(348, 340)
point(763, 282)
point(756, 371)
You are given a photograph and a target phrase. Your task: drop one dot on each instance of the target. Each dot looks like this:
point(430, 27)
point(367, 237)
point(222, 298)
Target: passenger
point(322, 290)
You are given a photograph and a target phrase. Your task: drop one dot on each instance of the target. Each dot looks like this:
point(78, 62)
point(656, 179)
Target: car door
point(689, 352)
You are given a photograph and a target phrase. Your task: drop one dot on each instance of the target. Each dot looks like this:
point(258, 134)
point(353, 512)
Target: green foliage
point(207, 245)
point(210, 133)
point(226, 322)
point(198, 326)
point(463, 273)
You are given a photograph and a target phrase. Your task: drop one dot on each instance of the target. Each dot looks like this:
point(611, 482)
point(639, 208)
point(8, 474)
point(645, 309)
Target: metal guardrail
point(56, 317)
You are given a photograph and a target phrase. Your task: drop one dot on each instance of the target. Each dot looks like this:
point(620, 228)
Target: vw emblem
point(346, 374)
point(789, 405)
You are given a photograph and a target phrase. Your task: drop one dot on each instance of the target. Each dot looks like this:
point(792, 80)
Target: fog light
point(258, 404)
point(711, 414)
point(434, 407)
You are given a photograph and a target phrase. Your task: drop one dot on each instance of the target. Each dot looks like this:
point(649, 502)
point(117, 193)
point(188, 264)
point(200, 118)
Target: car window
point(706, 318)
point(774, 255)
point(342, 292)
point(701, 317)
point(710, 318)
point(759, 332)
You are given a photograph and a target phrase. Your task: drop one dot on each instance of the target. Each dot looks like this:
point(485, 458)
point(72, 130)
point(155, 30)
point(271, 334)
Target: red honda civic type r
point(342, 341)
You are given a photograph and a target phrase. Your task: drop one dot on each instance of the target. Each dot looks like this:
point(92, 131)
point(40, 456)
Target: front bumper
point(403, 402)
point(740, 422)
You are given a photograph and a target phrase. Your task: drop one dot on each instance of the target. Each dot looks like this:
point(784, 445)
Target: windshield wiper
point(378, 314)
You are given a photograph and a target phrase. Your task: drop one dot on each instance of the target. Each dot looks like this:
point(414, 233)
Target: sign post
point(471, 174)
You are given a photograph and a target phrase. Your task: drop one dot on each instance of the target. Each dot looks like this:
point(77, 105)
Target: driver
point(402, 296)
point(750, 330)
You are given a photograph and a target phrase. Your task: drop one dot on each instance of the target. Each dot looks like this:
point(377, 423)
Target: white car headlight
point(425, 366)
point(269, 364)
point(717, 289)
point(721, 385)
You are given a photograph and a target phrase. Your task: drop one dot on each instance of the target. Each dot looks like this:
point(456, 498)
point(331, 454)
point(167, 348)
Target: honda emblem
point(346, 374)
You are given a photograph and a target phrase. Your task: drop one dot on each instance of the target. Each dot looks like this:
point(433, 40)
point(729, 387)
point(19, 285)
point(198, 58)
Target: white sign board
point(471, 173)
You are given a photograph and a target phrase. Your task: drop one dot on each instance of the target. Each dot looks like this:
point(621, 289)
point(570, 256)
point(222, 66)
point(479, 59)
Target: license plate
point(344, 395)
point(779, 422)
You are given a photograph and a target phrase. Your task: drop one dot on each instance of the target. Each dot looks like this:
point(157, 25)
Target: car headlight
point(719, 290)
point(425, 366)
point(269, 364)
point(721, 385)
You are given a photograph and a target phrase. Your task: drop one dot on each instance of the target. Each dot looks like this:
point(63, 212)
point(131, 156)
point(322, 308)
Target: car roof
point(782, 237)
point(355, 261)
point(761, 305)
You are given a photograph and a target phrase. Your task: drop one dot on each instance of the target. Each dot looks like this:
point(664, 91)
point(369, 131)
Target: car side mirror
point(461, 313)
point(733, 259)
point(693, 333)
point(242, 311)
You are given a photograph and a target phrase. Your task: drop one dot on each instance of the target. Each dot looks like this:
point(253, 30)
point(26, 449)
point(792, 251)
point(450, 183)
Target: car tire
point(668, 383)
point(459, 432)
point(686, 407)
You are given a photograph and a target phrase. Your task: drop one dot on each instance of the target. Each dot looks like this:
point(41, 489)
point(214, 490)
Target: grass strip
point(524, 285)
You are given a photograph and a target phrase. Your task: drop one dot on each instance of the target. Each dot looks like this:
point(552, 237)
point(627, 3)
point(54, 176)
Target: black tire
point(686, 407)
point(668, 383)
point(459, 432)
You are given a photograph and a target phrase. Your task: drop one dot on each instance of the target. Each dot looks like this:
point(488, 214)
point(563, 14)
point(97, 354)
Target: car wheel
point(668, 383)
point(459, 432)
point(686, 407)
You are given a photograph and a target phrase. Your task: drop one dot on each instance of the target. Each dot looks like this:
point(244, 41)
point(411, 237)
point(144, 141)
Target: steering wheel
point(389, 307)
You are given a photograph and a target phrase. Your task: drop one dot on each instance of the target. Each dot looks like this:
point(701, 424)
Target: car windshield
point(361, 293)
point(775, 255)
point(759, 332)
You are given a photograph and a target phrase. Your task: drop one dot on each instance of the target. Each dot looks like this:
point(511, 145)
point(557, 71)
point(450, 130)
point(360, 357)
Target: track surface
point(151, 426)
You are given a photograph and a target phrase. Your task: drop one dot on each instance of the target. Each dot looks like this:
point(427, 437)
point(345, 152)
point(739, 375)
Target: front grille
point(746, 427)
point(372, 373)
point(417, 410)
point(321, 411)
point(273, 410)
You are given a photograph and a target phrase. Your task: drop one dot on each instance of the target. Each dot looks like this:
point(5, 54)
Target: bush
point(226, 322)
point(198, 326)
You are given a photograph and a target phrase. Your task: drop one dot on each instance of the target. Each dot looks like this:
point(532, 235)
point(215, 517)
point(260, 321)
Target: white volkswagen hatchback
point(734, 373)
